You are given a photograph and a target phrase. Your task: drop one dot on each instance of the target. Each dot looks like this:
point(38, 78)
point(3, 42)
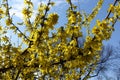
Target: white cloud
point(17, 6)
point(16, 12)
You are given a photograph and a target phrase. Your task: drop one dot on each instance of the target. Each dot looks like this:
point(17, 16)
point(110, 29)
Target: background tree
point(116, 63)
point(58, 56)
point(109, 62)
point(104, 64)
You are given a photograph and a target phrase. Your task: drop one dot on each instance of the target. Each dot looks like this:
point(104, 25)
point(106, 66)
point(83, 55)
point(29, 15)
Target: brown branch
point(7, 6)
point(18, 74)
point(5, 69)
point(20, 32)
point(103, 60)
point(97, 72)
point(115, 22)
point(8, 14)
point(42, 24)
point(46, 10)
point(88, 74)
point(110, 10)
point(71, 5)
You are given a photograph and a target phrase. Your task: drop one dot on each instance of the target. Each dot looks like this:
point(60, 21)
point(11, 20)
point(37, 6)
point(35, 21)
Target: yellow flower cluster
point(115, 9)
point(58, 54)
point(72, 18)
point(27, 13)
point(102, 30)
point(28, 2)
point(95, 10)
point(111, 8)
point(75, 30)
point(8, 21)
point(52, 20)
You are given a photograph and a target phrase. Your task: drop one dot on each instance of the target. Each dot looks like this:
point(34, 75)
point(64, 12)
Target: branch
point(46, 10)
point(110, 10)
point(71, 5)
point(103, 60)
point(97, 72)
point(115, 21)
point(36, 65)
point(20, 32)
point(88, 74)
point(5, 69)
point(115, 2)
point(8, 14)
point(17, 74)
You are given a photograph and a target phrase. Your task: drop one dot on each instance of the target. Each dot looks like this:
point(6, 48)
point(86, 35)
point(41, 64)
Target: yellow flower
point(52, 3)
point(5, 38)
point(53, 18)
point(26, 12)
point(19, 35)
point(99, 37)
point(118, 9)
point(8, 21)
point(72, 19)
point(73, 42)
point(76, 31)
point(68, 1)
point(111, 8)
point(96, 46)
point(1, 11)
point(103, 25)
point(89, 52)
point(88, 38)
point(95, 30)
point(0, 28)
point(98, 22)
point(28, 2)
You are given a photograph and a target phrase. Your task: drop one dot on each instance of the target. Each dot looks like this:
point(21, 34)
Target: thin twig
point(71, 6)
point(110, 10)
point(8, 14)
point(114, 22)
point(88, 74)
point(18, 74)
point(20, 32)
point(42, 23)
point(97, 72)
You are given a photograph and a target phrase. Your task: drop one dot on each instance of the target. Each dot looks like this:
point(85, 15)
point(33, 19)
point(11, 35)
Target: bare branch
point(97, 72)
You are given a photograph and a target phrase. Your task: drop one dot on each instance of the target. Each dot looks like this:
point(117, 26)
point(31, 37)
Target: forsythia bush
point(55, 57)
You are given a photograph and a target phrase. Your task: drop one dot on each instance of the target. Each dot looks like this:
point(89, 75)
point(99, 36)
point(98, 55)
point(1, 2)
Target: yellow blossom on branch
point(8, 21)
point(36, 48)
